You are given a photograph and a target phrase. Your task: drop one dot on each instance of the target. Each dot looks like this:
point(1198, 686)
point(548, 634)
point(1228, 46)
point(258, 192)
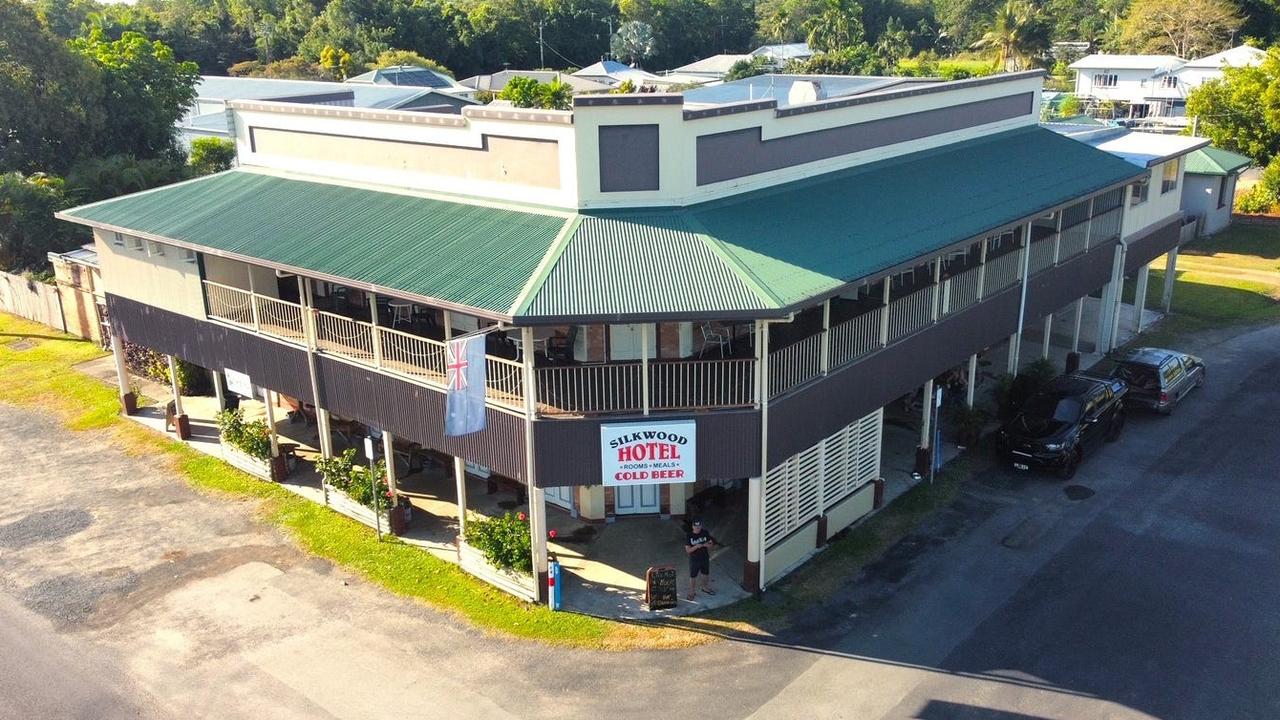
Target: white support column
point(1170, 275)
point(460, 482)
point(269, 401)
point(1075, 332)
point(122, 373)
point(1015, 347)
point(375, 333)
point(389, 457)
point(926, 409)
point(173, 382)
point(1048, 329)
point(253, 300)
point(448, 324)
point(322, 430)
point(884, 313)
point(937, 287)
point(824, 358)
point(644, 367)
point(972, 385)
point(1116, 308)
point(1140, 297)
point(982, 269)
point(219, 393)
point(755, 534)
point(1057, 239)
point(537, 498)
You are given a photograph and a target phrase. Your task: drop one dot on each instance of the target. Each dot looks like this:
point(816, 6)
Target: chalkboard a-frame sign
point(660, 590)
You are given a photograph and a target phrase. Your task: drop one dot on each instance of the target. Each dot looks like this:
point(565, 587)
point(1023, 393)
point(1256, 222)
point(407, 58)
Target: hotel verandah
point(775, 272)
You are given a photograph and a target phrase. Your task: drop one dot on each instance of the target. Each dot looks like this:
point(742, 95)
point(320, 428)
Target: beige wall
point(236, 274)
point(848, 511)
point(515, 161)
point(165, 281)
point(786, 555)
point(591, 502)
point(1158, 206)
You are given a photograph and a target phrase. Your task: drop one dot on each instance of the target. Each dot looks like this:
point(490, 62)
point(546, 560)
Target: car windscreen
point(1062, 409)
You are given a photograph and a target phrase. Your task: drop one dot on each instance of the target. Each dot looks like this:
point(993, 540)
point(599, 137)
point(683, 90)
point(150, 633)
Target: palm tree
point(1017, 35)
point(838, 26)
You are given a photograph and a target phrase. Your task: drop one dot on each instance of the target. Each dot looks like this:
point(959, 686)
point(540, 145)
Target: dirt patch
point(23, 344)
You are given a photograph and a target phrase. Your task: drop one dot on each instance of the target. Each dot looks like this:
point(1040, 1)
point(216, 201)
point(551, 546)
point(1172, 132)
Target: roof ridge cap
point(717, 247)
point(538, 278)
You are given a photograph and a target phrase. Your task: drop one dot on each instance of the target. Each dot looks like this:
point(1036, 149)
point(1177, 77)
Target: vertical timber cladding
point(567, 451)
point(416, 413)
point(1155, 243)
point(809, 483)
point(801, 418)
point(1060, 286)
point(270, 364)
point(740, 153)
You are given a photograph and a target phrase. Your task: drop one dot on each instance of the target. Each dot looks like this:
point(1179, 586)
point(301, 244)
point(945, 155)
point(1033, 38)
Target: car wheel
point(1200, 380)
point(1117, 424)
point(1068, 469)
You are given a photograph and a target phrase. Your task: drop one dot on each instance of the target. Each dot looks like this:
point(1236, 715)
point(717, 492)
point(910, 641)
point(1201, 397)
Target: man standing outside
point(697, 545)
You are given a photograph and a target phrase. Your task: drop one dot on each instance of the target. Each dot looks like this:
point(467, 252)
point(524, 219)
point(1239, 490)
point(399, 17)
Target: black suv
point(1061, 421)
point(1157, 378)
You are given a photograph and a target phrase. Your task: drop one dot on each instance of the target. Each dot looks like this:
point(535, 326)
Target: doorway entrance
point(637, 500)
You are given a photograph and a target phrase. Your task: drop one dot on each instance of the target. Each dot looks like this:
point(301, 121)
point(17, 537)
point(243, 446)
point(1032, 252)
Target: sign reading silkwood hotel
point(649, 453)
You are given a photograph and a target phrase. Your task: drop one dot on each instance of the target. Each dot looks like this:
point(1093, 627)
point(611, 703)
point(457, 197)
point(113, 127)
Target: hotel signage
point(649, 453)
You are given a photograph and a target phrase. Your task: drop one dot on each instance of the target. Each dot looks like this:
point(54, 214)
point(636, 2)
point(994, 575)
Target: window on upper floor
point(155, 249)
point(117, 239)
point(1169, 176)
point(1169, 81)
point(189, 256)
point(1139, 191)
point(1105, 80)
point(135, 243)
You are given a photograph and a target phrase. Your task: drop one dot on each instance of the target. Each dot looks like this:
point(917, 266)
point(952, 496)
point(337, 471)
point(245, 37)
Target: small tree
point(634, 41)
point(1186, 28)
point(336, 61)
point(521, 92)
point(837, 27)
point(396, 58)
point(28, 230)
point(211, 154)
point(747, 68)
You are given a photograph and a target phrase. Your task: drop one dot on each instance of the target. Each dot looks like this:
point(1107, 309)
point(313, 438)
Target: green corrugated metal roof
point(810, 237)
point(471, 255)
point(1215, 161)
point(641, 264)
point(769, 250)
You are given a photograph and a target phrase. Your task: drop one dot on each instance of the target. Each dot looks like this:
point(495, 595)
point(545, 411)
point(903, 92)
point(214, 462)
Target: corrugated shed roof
point(811, 237)
point(471, 255)
point(1215, 161)
point(641, 265)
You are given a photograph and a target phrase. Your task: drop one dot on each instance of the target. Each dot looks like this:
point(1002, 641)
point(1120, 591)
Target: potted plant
point(350, 490)
point(246, 445)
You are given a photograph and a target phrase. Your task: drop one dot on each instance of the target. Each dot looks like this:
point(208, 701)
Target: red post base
point(182, 426)
point(279, 468)
point(751, 576)
point(878, 500)
point(129, 403)
point(822, 531)
point(544, 592)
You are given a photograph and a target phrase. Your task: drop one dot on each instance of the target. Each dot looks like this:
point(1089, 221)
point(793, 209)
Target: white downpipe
point(973, 380)
point(460, 481)
point(1014, 350)
point(1075, 333)
point(389, 457)
point(269, 402)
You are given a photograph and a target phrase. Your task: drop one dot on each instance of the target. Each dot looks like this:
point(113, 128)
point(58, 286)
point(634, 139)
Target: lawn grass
point(1230, 279)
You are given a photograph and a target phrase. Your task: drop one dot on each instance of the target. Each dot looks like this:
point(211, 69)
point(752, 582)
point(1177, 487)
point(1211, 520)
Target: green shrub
point(504, 541)
point(345, 474)
point(192, 379)
point(252, 439)
point(969, 422)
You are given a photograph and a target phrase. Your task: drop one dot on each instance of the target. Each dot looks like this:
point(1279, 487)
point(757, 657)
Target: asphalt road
point(1147, 591)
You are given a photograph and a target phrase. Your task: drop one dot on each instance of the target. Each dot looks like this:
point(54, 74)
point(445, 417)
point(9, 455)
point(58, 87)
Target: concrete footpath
point(1147, 591)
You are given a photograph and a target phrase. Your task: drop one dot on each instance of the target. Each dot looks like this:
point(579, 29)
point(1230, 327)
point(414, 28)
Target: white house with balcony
point(1153, 85)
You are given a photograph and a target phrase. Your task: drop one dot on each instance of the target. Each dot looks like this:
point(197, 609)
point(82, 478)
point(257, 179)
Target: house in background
point(84, 305)
point(780, 55)
point(1153, 85)
point(614, 73)
point(412, 76)
point(711, 68)
point(207, 116)
point(1210, 188)
point(496, 81)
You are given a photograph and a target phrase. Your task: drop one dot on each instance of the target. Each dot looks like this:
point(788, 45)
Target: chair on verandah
point(715, 336)
point(560, 347)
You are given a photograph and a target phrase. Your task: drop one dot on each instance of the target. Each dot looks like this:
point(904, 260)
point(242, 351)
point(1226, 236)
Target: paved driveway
point(124, 594)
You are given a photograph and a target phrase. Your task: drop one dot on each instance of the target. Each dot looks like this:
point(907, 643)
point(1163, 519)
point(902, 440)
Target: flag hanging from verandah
point(464, 372)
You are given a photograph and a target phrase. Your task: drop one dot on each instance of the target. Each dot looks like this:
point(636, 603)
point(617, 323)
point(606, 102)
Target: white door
point(636, 500)
point(561, 496)
point(625, 342)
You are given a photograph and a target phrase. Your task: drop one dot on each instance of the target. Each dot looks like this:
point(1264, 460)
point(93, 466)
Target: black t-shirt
point(699, 540)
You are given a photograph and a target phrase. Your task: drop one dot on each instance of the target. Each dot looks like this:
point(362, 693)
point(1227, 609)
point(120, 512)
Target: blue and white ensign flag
point(464, 372)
